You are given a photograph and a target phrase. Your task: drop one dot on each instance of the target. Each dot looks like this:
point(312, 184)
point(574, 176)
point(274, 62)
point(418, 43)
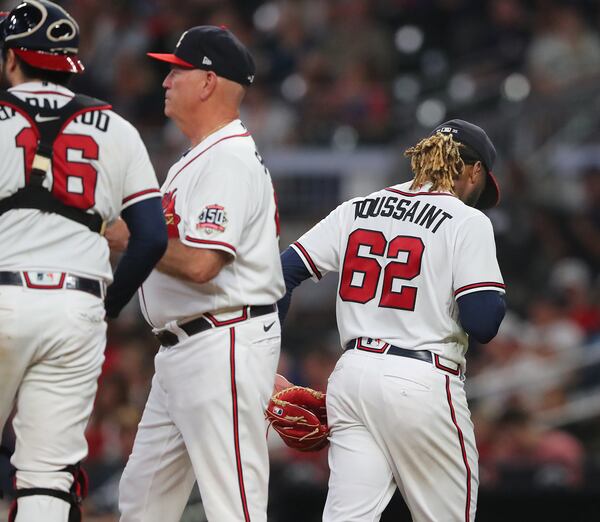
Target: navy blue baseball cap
point(212, 48)
point(476, 138)
point(43, 35)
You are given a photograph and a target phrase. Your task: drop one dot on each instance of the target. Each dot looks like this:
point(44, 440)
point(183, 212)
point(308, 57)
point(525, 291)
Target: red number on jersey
point(360, 273)
point(74, 182)
point(27, 139)
point(404, 299)
point(367, 268)
point(277, 222)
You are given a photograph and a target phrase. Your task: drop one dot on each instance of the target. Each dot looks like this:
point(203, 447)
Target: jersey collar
point(405, 187)
point(41, 87)
point(233, 128)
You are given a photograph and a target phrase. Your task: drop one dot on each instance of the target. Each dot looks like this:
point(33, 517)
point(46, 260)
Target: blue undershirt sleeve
point(481, 314)
point(147, 244)
point(294, 272)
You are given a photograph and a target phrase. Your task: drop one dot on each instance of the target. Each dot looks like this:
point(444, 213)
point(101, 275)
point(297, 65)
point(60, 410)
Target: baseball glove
point(299, 416)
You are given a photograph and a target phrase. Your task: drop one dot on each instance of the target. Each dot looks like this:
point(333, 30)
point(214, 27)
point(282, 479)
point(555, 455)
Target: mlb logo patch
point(213, 218)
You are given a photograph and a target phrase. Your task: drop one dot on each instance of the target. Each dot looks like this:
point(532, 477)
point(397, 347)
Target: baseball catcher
point(299, 415)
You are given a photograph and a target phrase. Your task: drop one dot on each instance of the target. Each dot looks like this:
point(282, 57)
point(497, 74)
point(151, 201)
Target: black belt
point(68, 281)
point(421, 355)
point(206, 322)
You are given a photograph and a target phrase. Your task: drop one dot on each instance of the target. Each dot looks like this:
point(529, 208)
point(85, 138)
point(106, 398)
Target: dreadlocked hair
point(437, 160)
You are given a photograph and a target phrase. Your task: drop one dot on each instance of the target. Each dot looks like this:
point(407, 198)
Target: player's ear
point(476, 171)
point(209, 84)
point(10, 62)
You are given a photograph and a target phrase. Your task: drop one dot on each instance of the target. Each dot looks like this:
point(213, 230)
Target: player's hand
point(281, 383)
point(117, 236)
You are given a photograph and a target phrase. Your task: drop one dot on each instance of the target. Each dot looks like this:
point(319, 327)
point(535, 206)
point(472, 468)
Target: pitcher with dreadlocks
point(417, 276)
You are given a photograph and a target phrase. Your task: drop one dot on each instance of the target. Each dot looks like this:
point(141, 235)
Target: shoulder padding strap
point(48, 123)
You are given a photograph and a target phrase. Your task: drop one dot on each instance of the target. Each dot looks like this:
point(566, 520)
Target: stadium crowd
point(347, 75)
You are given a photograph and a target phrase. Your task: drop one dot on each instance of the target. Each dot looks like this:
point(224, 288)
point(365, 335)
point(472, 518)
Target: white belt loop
point(173, 327)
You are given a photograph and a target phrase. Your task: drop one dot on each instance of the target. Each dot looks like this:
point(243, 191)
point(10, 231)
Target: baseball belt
point(31, 279)
point(208, 321)
point(420, 355)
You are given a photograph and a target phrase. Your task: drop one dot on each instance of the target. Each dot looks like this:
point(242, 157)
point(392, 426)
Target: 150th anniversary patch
point(213, 218)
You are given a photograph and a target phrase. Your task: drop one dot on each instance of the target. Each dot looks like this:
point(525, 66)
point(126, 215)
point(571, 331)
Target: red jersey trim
point(243, 135)
point(210, 242)
point(236, 429)
point(463, 451)
point(442, 366)
point(361, 346)
point(53, 286)
point(216, 323)
point(309, 260)
point(141, 193)
point(411, 194)
point(479, 285)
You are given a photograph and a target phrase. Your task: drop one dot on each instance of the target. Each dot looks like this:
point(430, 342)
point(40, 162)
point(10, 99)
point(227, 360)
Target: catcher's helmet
point(43, 35)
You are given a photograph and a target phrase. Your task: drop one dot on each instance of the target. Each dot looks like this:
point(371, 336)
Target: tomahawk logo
point(171, 216)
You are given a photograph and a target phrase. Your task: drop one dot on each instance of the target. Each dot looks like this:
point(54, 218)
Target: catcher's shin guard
point(75, 496)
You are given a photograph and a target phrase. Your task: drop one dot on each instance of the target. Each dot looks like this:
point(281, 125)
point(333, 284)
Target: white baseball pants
point(204, 420)
point(51, 352)
point(399, 422)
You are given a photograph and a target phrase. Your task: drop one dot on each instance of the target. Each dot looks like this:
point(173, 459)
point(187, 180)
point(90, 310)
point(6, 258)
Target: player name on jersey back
point(410, 210)
point(403, 257)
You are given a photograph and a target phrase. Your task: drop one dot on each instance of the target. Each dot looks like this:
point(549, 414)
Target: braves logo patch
point(213, 218)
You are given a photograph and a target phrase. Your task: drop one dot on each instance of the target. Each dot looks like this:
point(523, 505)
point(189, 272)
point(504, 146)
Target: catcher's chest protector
point(47, 124)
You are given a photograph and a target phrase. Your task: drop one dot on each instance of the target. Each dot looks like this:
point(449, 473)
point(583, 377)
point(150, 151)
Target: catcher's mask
point(43, 35)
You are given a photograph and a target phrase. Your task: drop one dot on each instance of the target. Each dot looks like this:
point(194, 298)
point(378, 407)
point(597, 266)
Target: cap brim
point(171, 58)
point(50, 61)
point(490, 196)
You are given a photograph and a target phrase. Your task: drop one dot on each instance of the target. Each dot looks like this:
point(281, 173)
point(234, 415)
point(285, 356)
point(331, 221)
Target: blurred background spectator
point(343, 87)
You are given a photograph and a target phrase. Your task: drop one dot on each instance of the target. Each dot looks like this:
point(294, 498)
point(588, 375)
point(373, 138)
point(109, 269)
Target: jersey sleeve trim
point(478, 287)
point(216, 245)
point(140, 196)
point(305, 256)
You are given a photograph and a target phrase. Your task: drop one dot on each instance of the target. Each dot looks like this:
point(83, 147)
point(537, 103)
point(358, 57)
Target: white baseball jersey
point(53, 339)
point(204, 419)
point(219, 196)
point(99, 163)
point(403, 258)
